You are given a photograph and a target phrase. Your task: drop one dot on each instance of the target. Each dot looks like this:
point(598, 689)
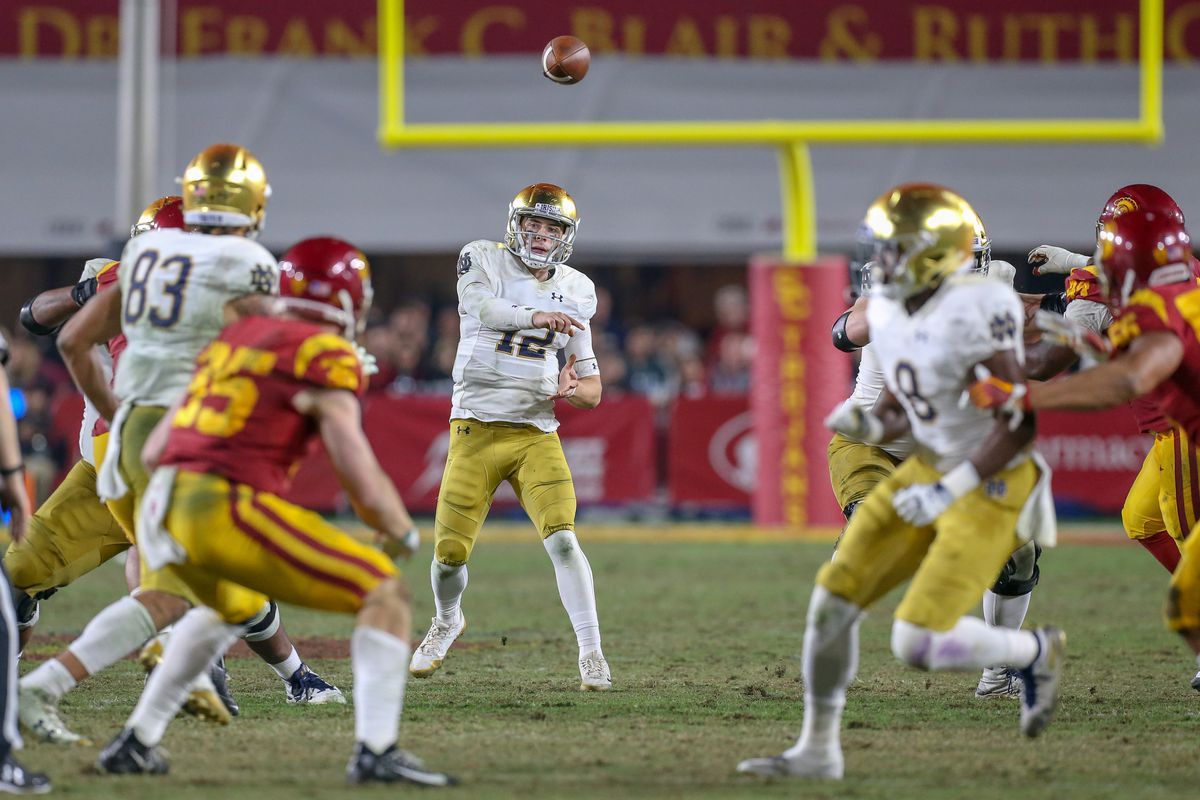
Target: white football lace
point(434, 640)
point(593, 667)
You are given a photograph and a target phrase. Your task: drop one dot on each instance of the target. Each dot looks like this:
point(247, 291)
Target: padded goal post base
point(798, 378)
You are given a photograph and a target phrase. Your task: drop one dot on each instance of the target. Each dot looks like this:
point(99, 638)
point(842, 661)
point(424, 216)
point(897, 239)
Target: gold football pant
point(1183, 598)
point(244, 546)
point(482, 454)
point(1165, 495)
point(856, 468)
point(70, 535)
point(951, 562)
point(138, 426)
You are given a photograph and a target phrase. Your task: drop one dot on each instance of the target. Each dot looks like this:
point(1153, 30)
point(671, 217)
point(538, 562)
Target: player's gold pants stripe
point(298, 549)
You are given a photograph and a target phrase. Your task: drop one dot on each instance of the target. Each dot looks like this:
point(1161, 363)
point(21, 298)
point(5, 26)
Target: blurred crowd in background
point(415, 344)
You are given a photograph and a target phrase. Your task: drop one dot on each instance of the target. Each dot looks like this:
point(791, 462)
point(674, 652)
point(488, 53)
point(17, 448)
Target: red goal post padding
point(798, 378)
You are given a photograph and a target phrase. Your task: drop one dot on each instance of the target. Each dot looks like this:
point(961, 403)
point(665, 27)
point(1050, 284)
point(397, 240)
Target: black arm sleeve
point(32, 325)
point(1056, 302)
point(841, 339)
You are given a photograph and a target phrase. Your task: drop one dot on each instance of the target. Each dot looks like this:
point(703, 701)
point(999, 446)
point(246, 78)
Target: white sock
point(449, 583)
point(51, 677)
point(970, 644)
point(380, 663)
point(830, 662)
point(112, 634)
point(575, 588)
point(197, 640)
point(1003, 611)
point(286, 668)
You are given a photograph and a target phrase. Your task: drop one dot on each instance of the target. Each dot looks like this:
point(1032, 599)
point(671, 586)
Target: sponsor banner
point(711, 452)
point(799, 376)
point(1048, 31)
point(1095, 456)
point(610, 450)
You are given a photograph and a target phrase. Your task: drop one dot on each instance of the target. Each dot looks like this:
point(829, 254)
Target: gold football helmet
point(549, 202)
point(981, 246)
point(920, 233)
point(225, 186)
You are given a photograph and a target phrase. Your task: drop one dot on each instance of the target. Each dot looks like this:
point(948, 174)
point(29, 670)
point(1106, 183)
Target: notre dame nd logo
point(994, 487)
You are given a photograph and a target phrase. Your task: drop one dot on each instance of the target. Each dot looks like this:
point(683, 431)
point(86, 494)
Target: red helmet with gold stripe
point(329, 276)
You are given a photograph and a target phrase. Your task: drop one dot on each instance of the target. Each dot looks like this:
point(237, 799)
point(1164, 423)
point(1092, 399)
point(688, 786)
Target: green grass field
point(703, 640)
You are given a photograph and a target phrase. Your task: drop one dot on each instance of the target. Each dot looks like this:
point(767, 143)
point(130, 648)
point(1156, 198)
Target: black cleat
point(15, 779)
point(220, 679)
point(392, 766)
point(126, 755)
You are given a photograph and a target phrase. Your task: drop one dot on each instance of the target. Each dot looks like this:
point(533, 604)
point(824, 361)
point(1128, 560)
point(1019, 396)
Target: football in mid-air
point(566, 60)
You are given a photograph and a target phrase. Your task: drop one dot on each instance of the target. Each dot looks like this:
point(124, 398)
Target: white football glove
point(855, 422)
point(1047, 259)
point(1080, 338)
point(922, 503)
point(370, 365)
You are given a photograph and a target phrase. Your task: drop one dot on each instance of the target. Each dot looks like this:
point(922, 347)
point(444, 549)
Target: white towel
point(155, 543)
point(109, 483)
point(1037, 520)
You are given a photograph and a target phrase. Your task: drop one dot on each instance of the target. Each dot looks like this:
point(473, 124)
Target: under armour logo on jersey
point(556, 296)
point(996, 488)
point(262, 279)
point(462, 429)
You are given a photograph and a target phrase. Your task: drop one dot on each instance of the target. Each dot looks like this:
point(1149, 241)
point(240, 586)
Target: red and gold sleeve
point(329, 361)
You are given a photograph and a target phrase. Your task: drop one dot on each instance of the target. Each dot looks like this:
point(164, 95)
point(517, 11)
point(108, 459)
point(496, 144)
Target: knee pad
point(262, 626)
point(450, 553)
point(911, 643)
point(829, 616)
point(561, 544)
point(1020, 573)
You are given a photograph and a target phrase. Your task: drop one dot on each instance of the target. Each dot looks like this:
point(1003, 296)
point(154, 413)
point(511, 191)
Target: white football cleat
point(306, 687)
point(593, 673)
point(1041, 679)
point(1196, 682)
point(1001, 682)
point(827, 766)
point(431, 652)
point(38, 712)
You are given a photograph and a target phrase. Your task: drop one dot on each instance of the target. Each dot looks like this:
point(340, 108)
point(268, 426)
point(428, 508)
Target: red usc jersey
point(238, 420)
point(1084, 284)
point(1175, 309)
point(105, 279)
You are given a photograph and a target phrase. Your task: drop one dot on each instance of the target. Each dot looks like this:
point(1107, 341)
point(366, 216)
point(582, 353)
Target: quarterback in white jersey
point(519, 304)
point(175, 289)
point(950, 515)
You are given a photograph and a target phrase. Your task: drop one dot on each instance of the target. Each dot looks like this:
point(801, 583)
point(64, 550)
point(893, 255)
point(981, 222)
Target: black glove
point(83, 291)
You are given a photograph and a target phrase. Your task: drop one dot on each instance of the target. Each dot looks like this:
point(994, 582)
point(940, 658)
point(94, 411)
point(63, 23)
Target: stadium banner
point(711, 452)
point(798, 378)
point(1046, 31)
point(610, 449)
point(1094, 455)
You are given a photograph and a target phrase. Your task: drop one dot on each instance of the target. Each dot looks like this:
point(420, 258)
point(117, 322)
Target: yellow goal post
point(791, 137)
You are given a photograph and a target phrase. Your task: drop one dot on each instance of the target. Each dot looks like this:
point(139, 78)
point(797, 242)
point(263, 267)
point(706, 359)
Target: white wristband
point(960, 480)
point(412, 539)
point(523, 318)
point(1077, 261)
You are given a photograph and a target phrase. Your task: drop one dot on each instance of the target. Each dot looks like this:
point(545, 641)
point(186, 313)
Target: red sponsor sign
point(711, 452)
point(829, 30)
point(610, 450)
point(799, 376)
point(1094, 455)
